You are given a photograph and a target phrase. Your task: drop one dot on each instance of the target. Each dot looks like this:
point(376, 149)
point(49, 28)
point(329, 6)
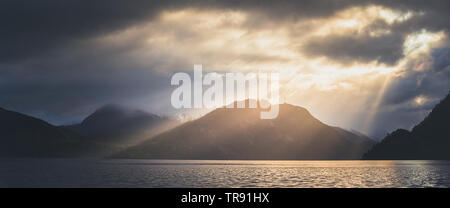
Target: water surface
point(208, 173)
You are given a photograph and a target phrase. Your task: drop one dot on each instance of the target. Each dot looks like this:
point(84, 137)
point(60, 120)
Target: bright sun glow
point(420, 100)
point(421, 41)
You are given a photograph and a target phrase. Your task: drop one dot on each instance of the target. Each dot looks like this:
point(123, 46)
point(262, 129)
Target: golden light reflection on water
point(311, 174)
point(222, 174)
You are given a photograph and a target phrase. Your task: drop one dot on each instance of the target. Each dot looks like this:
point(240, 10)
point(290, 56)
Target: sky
point(370, 66)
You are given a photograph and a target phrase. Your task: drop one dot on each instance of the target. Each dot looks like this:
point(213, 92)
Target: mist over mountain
point(239, 133)
point(428, 140)
point(114, 124)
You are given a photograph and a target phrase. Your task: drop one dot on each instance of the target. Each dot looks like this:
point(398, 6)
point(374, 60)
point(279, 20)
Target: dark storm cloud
point(34, 27)
point(348, 49)
point(362, 47)
point(287, 9)
point(435, 12)
point(433, 82)
point(441, 61)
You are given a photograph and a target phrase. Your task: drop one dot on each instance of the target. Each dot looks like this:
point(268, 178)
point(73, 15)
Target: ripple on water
point(171, 173)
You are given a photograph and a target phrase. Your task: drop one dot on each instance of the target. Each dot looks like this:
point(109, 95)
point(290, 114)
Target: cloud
point(348, 49)
point(432, 81)
point(380, 31)
point(31, 28)
point(34, 27)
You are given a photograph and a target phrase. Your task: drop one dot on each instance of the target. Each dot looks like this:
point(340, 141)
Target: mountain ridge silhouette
point(239, 133)
point(26, 136)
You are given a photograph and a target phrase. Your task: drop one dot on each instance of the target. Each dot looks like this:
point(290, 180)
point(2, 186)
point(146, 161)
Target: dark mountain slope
point(25, 136)
point(428, 140)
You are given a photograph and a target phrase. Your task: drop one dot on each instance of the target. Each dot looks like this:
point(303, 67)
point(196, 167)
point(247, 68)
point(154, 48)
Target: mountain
point(428, 140)
point(117, 125)
point(233, 133)
point(25, 136)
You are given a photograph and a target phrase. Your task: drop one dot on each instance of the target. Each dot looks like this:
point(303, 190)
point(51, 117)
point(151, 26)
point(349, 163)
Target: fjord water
point(190, 173)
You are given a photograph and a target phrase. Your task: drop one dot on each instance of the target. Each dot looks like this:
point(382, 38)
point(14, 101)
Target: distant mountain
point(117, 125)
point(355, 136)
point(428, 140)
point(25, 136)
point(240, 134)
